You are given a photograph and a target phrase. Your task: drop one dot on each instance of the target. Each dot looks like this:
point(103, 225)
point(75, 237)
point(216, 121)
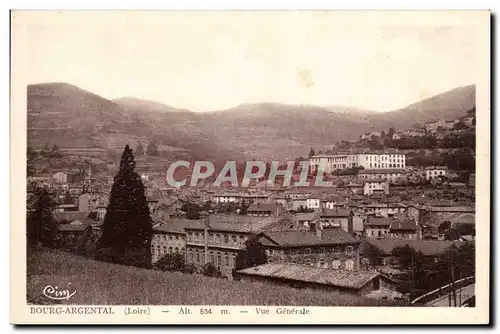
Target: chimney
point(319, 229)
point(205, 239)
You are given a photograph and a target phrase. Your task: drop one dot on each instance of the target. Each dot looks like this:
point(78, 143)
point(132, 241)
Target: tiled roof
point(381, 171)
point(406, 225)
point(262, 207)
point(177, 225)
point(339, 278)
point(450, 209)
point(307, 216)
point(467, 218)
point(426, 247)
point(236, 223)
point(377, 221)
point(338, 212)
point(70, 215)
point(76, 228)
point(330, 236)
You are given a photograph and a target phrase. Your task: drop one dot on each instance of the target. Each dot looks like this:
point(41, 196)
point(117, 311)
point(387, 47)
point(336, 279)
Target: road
point(466, 293)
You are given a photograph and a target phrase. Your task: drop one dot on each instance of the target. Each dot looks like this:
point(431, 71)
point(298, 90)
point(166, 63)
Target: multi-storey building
point(435, 172)
point(337, 218)
point(377, 227)
point(382, 160)
point(218, 238)
point(170, 237)
point(318, 247)
point(376, 187)
point(265, 209)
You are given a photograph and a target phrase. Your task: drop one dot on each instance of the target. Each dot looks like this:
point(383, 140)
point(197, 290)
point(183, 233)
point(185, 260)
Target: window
point(212, 259)
point(336, 250)
point(169, 237)
point(234, 260)
point(307, 251)
point(190, 256)
point(190, 236)
point(336, 264)
point(196, 237)
point(177, 249)
point(198, 257)
point(226, 238)
point(217, 238)
point(348, 250)
point(235, 240)
point(219, 259)
point(164, 250)
point(169, 249)
point(226, 260)
point(349, 264)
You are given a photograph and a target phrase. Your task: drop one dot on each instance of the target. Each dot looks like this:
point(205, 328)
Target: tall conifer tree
point(127, 229)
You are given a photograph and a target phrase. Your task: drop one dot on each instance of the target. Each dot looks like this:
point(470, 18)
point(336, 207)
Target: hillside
point(111, 284)
point(449, 105)
point(71, 117)
point(68, 116)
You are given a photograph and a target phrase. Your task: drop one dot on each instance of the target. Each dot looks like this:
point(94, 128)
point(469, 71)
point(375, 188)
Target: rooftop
point(341, 278)
point(337, 212)
point(377, 221)
point(235, 223)
point(426, 247)
point(330, 236)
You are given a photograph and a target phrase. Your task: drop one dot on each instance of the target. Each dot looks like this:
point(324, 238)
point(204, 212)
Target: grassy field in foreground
point(104, 283)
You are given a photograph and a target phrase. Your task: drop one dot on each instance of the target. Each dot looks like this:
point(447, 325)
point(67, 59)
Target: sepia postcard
point(250, 167)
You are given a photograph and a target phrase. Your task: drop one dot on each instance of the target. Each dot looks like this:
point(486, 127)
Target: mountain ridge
point(69, 116)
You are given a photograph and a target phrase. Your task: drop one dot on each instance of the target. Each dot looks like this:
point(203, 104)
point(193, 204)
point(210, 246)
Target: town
point(396, 222)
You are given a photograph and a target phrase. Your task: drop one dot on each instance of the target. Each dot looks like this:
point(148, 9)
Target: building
point(306, 218)
point(316, 247)
point(90, 201)
point(226, 197)
point(377, 227)
point(435, 172)
point(218, 238)
point(376, 187)
point(383, 160)
point(392, 175)
point(337, 218)
point(414, 133)
point(60, 177)
point(358, 283)
point(170, 237)
point(265, 210)
point(404, 229)
point(313, 203)
point(431, 249)
point(75, 234)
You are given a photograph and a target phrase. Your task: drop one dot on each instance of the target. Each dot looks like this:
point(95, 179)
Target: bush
point(210, 270)
point(139, 257)
point(171, 262)
point(105, 255)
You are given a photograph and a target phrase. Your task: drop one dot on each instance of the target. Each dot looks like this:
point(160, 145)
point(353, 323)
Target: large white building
point(365, 160)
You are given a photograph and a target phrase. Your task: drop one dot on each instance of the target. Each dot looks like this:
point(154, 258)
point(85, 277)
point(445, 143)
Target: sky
point(205, 61)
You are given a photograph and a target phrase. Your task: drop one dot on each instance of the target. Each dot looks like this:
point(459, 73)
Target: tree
point(40, 224)
point(152, 149)
point(311, 152)
point(192, 210)
point(54, 152)
point(254, 254)
point(210, 270)
point(171, 262)
point(45, 151)
point(127, 229)
point(139, 150)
